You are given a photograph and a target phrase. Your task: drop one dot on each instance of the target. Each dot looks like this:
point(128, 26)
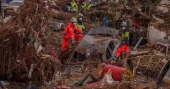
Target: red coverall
point(70, 32)
point(116, 71)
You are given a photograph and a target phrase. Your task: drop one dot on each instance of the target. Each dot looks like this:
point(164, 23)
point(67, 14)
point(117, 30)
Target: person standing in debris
point(71, 33)
point(74, 5)
point(80, 22)
point(125, 33)
point(87, 5)
point(125, 41)
point(78, 31)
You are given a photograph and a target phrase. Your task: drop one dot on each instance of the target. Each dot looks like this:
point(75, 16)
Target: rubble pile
point(30, 48)
point(148, 64)
point(23, 53)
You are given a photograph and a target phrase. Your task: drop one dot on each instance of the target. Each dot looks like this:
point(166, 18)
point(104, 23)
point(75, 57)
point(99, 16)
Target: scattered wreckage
point(152, 62)
point(99, 43)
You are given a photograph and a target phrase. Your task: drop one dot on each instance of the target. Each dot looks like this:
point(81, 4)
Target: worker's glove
point(72, 41)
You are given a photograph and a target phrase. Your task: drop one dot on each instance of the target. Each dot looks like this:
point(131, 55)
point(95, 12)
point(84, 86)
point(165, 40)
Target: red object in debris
point(137, 22)
point(99, 83)
point(118, 51)
point(116, 71)
point(124, 48)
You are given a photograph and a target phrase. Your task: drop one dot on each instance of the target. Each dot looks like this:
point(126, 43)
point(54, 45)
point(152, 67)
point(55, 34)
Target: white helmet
point(80, 14)
point(74, 20)
point(123, 24)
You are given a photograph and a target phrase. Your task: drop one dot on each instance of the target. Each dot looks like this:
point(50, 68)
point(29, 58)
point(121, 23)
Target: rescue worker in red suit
point(71, 33)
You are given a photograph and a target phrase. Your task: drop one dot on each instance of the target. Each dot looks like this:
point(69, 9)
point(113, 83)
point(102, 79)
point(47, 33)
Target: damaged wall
point(155, 35)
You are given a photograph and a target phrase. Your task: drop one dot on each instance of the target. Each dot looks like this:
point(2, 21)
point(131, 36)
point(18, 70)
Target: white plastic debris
point(107, 79)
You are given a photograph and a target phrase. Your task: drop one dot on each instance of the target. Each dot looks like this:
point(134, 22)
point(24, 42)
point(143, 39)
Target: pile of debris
point(23, 53)
point(150, 65)
point(30, 50)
